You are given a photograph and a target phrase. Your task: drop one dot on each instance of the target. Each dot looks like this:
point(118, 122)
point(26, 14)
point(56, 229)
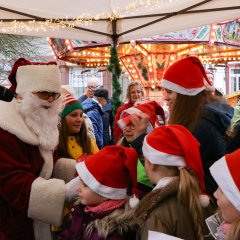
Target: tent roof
point(102, 20)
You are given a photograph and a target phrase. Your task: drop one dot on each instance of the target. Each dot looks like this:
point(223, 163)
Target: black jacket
point(211, 134)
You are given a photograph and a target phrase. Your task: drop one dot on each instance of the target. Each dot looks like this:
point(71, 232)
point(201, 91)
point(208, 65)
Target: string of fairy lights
point(207, 54)
point(84, 19)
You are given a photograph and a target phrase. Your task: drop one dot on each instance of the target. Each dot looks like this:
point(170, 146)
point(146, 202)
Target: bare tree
point(13, 47)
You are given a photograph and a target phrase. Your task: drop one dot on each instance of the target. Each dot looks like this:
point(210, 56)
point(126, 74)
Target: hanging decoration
point(159, 69)
point(142, 67)
point(145, 73)
point(115, 68)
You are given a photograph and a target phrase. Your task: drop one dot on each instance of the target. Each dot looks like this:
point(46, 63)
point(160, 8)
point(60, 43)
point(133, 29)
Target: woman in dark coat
point(193, 107)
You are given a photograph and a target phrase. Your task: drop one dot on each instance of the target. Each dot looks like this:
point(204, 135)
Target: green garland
point(115, 68)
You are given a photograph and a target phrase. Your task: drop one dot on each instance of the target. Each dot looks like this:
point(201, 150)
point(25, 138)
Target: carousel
point(146, 59)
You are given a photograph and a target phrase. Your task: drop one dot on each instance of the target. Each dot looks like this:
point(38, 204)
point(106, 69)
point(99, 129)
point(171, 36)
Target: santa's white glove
point(71, 189)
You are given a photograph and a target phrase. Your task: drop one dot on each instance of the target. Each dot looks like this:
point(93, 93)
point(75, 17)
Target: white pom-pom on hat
point(133, 201)
point(204, 200)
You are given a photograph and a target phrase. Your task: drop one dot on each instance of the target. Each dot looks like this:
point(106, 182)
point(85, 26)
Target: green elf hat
point(70, 104)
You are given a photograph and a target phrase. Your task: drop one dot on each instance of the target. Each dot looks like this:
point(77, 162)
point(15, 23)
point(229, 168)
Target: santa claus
point(32, 195)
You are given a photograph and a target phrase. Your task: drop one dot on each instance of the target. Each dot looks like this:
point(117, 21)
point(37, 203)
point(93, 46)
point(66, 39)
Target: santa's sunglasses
point(47, 95)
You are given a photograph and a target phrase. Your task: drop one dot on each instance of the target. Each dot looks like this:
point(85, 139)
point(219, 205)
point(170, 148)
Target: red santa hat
point(185, 76)
point(174, 145)
point(108, 171)
point(226, 173)
point(152, 109)
point(29, 76)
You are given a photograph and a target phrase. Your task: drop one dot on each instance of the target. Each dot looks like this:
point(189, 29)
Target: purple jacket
point(80, 221)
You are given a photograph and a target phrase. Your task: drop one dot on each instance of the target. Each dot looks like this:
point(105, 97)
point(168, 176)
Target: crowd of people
point(70, 170)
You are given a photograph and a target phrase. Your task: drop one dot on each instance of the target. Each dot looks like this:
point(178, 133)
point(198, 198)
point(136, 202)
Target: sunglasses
point(46, 95)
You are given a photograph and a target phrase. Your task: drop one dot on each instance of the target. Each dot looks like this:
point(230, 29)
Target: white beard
point(42, 121)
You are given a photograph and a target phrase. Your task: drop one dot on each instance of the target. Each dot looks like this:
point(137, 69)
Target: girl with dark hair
point(74, 141)
point(73, 136)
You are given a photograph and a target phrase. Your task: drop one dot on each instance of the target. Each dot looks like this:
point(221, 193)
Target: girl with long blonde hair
point(177, 205)
point(134, 94)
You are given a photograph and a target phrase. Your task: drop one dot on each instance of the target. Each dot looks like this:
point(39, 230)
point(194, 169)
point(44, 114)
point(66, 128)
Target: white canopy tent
point(108, 20)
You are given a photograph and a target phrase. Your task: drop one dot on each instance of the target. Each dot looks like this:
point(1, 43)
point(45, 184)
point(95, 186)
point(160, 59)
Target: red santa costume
point(30, 198)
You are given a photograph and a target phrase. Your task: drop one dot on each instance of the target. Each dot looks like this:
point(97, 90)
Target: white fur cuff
point(47, 200)
point(64, 169)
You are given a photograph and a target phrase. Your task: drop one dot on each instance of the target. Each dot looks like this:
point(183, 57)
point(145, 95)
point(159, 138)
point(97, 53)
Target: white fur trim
point(41, 231)
point(223, 178)
point(133, 201)
point(47, 200)
point(122, 124)
point(12, 121)
point(64, 168)
point(35, 78)
point(47, 168)
point(163, 182)
point(91, 182)
point(178, 89)
point(161, 158)
point(132, 110)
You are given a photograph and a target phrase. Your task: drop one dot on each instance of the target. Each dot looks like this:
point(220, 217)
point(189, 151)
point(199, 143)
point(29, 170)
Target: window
point(233, 84)
point(235, 71)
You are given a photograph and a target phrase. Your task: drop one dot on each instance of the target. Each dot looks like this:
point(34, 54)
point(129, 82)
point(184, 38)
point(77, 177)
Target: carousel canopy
point(146, 59)
point(110, 20)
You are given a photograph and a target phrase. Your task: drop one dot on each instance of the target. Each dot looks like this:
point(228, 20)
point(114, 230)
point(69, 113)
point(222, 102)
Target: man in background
point(108, 119)
point(93, 107)
point(92, 85)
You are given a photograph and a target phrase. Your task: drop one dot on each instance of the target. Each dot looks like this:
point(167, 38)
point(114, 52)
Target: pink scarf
point(223, 230)
point(105, 206)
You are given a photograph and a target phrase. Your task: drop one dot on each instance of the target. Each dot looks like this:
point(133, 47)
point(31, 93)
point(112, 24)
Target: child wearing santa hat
point(226, 173)
point(133, 135)
point(195, 108)
point(104, 178)
point(177, 205)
